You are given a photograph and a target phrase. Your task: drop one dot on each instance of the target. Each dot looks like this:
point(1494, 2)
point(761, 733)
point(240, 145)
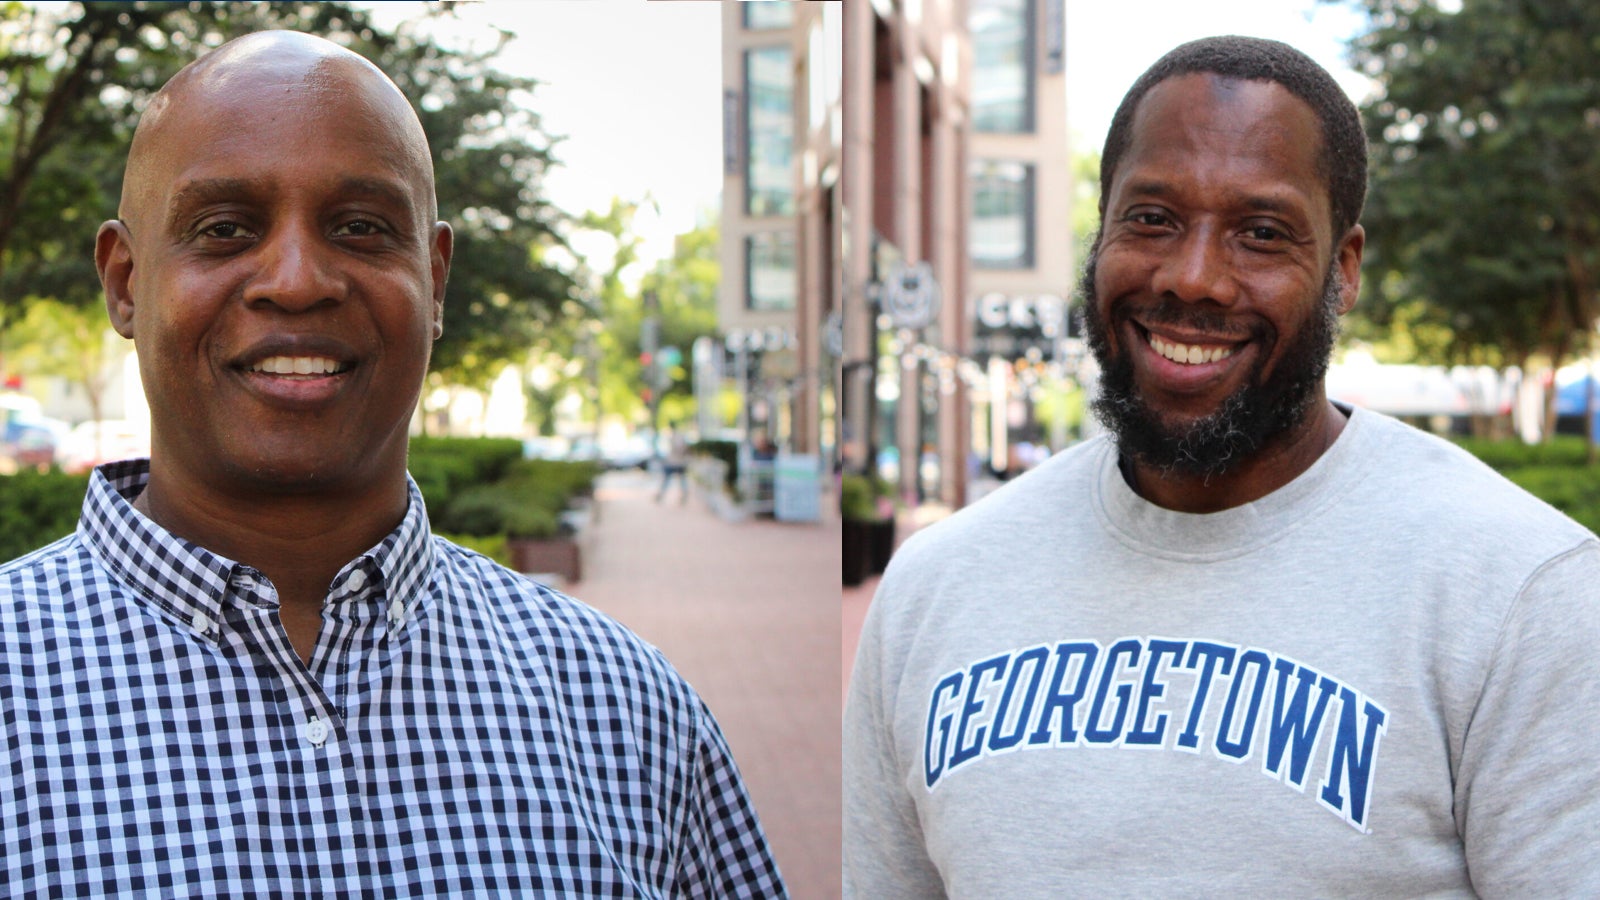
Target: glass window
point(769, 271)
point(1002, 215)
point(769, 98)
point(763, 14)
point(1002, 67)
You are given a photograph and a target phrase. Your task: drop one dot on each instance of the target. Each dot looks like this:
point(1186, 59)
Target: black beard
point(1248, 420)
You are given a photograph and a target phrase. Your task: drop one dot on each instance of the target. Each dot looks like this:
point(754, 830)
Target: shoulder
point(1434, 487)
point(579, 645)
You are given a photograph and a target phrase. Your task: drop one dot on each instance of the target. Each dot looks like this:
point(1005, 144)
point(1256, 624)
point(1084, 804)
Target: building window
point(770, 282)
point(769, 155)
point(760, 15)
point(1002, 68)
point(1002, 215)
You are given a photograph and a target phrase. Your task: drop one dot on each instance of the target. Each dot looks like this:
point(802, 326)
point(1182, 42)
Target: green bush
point(865, 498)
point(487, 510)
point(1555, 472)
point(1561, 450)
point(1575, 490)
point(441, 466)
point(37, 508)
point(493, 546)
point(727, 451)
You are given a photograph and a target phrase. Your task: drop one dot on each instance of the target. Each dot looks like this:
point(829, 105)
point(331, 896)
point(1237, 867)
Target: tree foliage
point(74, 78)
point(1483, 219)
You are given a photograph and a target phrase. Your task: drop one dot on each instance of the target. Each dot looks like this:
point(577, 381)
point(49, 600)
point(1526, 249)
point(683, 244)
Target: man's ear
point(113, 257)
point(440, 249)
point(1349, 262)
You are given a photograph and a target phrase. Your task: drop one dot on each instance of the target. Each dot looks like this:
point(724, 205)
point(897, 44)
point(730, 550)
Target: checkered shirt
point(460, 731)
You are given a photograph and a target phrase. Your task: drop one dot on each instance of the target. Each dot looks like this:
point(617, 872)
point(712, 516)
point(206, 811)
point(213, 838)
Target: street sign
point(797, 488)
point(910, 295)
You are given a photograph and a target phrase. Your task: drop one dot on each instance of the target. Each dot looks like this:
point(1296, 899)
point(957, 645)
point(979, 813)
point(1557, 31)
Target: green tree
point(1483, 220)
point(60, 340)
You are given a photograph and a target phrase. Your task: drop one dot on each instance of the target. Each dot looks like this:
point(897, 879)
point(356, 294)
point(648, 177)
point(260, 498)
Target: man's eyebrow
point(217, 190)
point(209, 190)
point(1268, 203)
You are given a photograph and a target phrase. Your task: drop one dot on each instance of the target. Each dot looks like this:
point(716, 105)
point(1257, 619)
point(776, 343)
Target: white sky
point(1111, 42)
point(636, 88)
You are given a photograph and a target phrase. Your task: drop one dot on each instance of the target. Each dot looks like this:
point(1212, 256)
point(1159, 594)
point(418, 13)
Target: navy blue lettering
point(1055, 702)
point(998, 738)
point(1216, 656)
point(1151, 689)
point(1354, 758)
point(933, 763)
point(1092, 732)
point(1240, 749)
point(972, 707)
point(1290, 727)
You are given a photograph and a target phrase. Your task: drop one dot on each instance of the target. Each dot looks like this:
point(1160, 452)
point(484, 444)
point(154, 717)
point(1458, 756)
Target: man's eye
point(1148, 219)
point(358, 228)
point(225, 230)
point(1265, 233)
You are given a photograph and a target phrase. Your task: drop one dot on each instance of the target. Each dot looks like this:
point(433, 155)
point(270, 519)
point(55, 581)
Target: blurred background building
point(782, 136)
point(958, 245)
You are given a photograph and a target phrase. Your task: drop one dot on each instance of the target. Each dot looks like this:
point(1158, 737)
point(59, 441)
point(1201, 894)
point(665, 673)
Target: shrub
point(486, 510)
point(727, 451)
point(37, 508)
point(1561, 449)
point(441, 466)
point(865, 498)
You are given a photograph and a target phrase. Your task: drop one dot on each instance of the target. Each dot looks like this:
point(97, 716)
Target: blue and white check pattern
point(460, 730)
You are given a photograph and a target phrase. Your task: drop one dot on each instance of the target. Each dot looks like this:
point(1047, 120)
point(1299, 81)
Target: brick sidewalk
point(748, 613)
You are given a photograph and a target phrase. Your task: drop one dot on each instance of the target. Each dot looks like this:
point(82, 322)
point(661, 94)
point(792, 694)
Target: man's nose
point(1197, 267)
point(298, 270)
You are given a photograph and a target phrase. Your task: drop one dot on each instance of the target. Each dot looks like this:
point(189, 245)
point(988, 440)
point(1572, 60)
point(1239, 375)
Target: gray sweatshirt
point(1382, 679)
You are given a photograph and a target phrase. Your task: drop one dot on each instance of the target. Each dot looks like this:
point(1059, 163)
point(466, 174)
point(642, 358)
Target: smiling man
point(1251, 642)
point(252, 671)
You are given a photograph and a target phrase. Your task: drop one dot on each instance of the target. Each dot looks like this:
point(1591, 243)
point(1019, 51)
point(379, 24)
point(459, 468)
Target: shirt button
point(397, 613)
point(316, 732)
point(201, 623)
point(357, 580)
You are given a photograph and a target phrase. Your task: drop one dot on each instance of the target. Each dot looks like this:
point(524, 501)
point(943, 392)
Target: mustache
point(1177, 315)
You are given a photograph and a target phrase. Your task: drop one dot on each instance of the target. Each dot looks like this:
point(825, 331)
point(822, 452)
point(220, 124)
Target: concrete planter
point(547, 556)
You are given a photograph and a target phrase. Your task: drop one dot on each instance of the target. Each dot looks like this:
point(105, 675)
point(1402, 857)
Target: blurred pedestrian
point(1251, 642)
point(253, 671)
point(676, 464)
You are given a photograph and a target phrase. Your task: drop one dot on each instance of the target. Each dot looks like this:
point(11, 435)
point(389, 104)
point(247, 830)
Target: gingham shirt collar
point(190, 585)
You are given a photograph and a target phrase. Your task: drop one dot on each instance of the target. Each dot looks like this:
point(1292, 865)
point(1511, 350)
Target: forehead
point(1207, 131)
point(274, 131)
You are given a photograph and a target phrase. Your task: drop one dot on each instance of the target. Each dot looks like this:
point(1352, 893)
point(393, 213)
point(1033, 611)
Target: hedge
point(1555, 472)
point(37, 508)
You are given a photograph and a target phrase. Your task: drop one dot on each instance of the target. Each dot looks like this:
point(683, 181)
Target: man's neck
point(1277, 464)
point(298, 541)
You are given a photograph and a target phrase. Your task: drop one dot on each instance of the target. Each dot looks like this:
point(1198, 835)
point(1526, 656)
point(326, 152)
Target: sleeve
point(1528, 789)
point(724, 852)
point(884, 853)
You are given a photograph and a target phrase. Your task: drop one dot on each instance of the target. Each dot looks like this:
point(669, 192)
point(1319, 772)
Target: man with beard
point(1252, 642)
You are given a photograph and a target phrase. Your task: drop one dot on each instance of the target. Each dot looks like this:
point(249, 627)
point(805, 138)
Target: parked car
point(632, 452)
point(28, 438)
point(92, 443)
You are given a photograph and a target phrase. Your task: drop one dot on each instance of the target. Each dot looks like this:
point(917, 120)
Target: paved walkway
point(748, 613)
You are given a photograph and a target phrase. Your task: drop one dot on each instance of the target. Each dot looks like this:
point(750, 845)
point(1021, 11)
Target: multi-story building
point(1021, 244)
point(782, 135)
point(907, 120)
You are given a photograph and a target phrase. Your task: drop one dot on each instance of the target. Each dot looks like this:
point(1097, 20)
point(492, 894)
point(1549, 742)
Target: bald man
point(252, 671)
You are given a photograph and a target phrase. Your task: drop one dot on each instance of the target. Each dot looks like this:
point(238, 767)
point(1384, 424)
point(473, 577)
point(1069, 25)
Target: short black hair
point(1342, 162)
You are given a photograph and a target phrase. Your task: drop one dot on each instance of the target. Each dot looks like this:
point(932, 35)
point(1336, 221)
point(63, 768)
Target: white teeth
point(296, 365)
point(1189, 354)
